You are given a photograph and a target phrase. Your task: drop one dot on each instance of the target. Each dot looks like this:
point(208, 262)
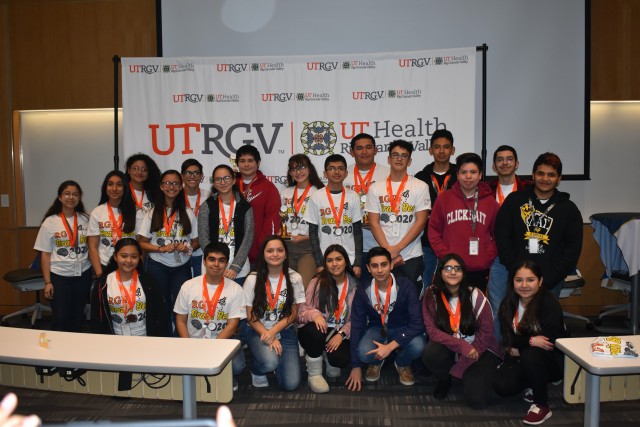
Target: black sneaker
point(442, 388)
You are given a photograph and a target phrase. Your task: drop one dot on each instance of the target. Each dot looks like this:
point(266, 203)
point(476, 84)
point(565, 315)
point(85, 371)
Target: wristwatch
point(343, 335)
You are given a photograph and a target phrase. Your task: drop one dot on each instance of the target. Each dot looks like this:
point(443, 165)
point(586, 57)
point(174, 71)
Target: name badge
point(396, 229)
point(77, 268)
point(534, 244)
point(474, 246)
point(126, 328)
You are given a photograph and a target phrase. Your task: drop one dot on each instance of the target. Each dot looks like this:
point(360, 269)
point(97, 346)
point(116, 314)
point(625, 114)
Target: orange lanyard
point(454, 318)
point(362, 187)
point(437, 186)
point(226, 224)
point(72, 236)
point(515, 322)
point(297, 203)
point(116, 225)
point(197, 208)
point(212, 303)
point(394, 200)
point(387, 300)
point(501, 194)
point(343, 298)
point(242, 189)
point(273, 298)
point(337, 215)
point(135, 198)
point(128, 298)
point(168, 225)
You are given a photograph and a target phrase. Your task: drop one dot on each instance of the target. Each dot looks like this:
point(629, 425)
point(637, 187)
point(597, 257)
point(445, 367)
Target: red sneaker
point(537, 414)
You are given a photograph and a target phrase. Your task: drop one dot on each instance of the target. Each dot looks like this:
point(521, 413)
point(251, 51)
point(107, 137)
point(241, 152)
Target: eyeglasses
point(68, 195)
point(505, 160)
point(299, 168)
point(396, 156)
point(169, 184)
point(139, 169)
point(336, 169)
point(225, 178)
point(192, 173)
point(450, 268)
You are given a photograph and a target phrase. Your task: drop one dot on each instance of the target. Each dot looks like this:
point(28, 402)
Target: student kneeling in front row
point(385, 319)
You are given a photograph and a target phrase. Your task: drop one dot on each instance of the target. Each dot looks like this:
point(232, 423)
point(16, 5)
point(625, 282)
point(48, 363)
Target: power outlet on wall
point(4, 200)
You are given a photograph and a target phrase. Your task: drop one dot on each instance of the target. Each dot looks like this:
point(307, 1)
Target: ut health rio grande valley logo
point(318, 138)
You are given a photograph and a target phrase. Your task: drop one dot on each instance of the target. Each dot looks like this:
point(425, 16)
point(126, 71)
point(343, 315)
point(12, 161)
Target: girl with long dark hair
point(62, 241)
point(144, 183)
point(325, 318)
point(459, 325)
point(273, 293)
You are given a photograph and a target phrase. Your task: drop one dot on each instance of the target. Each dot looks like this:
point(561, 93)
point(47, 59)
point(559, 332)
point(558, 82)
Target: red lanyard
point(385, 309)
point(135, 198)
point(454, 318)
point(72, 236)
point(197, 208)
point(343, 298)
point(394, 200)
point(297, 203)
point(444, 184)
point(501, 194)
point(226, 224)
point(116, 225)
point(128, 298)
point(337, 215)
point(168, 225)
point(362, 187)
point(212, 303)
point(273, 298)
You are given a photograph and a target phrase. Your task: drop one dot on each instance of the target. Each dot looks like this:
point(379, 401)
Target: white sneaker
point(235, 384)
point(259, 381)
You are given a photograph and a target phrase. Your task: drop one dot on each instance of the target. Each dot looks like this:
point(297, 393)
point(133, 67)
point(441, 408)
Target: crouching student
point(459, 325)
point(211, 306)
point(272, 293)
point(385, 319)
point(325, 318)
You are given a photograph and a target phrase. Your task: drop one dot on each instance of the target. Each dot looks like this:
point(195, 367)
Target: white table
point(579, 350)
point(178, 356)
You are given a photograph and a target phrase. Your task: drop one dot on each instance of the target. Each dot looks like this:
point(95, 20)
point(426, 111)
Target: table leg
point(592, 401)
point(635, 288)
point(189, 411)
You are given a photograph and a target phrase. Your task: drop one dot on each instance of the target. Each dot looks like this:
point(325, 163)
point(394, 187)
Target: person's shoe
point(537, 414)
point(373, 372)
point(528, 395)
point(442, 388)
point(406, 375)
point(259, 381)
point(332, 371)
point(235, 384)
point(317, 383)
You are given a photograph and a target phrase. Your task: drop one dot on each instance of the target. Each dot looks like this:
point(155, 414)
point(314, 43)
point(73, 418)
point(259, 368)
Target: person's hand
point(276, 346)
point(354, 382)
point(268, 337)
point(394, 251)
point(224, 417)
point(334, 343)
point(319, 269)
point(48, 291)
point(357, 271)
point(381, 352)
point(230, 274)
point(397, 261)
point(321, 323)
point(513, 352)
point(542, 342)
point(7, 406)
point(473, 354)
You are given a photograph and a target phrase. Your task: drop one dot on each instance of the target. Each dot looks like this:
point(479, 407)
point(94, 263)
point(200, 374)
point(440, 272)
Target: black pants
point(479, 279)
point(477, 380)
point(69, 299)
point(534, 368)
point(411, 269)
point(313, 341)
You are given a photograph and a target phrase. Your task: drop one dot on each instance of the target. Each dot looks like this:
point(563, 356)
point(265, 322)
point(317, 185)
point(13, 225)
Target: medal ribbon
point(454, 318)
point(116, 225)
point(128, 298)
point(515, 322)
point(395, 199)
point(343, 297)
point(168, 225)
point(362, 187)
point(212, 303)
point(135, 198)
point(226, 224)
point(501, 194)
point(241, 184)
point(273, 298)
point(297, 203)
point(437, 186)
point(73, 237)
point(385, 309)
point(337, 216)
point(197, 208)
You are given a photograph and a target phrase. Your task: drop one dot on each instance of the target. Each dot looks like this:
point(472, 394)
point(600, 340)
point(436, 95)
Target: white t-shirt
point(53, 238)
point(136, 321)
point(331, 320)
point(380, 173)
point(192, 200)
point(319, 212)
point(176, 235)
point(100, 225)
point(414, 198)
point(270, 317)
point(147, 206)
point(232, 238)
point(191, 301)
point(286, 199)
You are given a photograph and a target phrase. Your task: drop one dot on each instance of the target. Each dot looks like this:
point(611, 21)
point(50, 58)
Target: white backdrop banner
point(205, 108)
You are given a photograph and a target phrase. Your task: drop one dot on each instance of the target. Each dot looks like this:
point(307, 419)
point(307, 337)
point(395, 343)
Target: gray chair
point(27, 280)
point(572, 286)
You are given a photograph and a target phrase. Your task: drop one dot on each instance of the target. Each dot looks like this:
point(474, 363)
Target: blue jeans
point(170, 280)
point(430, 265)
point(497, 288)
point(287, 365)
point(238, 363)
point(196, 265)
point(404, 355)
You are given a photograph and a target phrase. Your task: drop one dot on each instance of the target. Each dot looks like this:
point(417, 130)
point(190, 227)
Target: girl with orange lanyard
point(302, 182)
point(530, 322)
point(459, 325)
point(144, 184)
point(62, 240)
point(325, 318)
point(194, 196)
point(169, 235)
point(272, 294)
point(113, 219)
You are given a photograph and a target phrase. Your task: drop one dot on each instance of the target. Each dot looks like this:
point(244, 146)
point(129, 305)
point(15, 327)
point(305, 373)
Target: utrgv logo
point(235, 68)
point(414, 62)
point(148, 69)
point(322, 66)
point(279, 97)
point(371, 96)
point(188, 97)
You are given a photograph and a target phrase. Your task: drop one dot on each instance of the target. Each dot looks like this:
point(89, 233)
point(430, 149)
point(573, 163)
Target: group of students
point(376, 264)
